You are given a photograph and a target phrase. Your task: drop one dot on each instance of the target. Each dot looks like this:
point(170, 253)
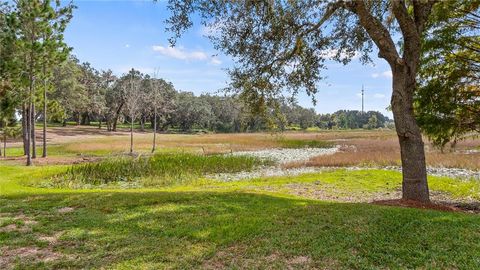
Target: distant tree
point(115, 101)
point(191, 112)
point(372, 122)
point(134, 98)
point(68, 90)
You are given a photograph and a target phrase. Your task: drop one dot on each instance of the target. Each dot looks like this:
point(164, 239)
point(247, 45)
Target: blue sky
point(119, 35)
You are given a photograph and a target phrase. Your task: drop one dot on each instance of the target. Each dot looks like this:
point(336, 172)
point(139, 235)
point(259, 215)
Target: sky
point(120, 35)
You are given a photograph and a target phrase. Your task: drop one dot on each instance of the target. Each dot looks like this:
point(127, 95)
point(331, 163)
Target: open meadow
point(295, 200)
point(207, 134)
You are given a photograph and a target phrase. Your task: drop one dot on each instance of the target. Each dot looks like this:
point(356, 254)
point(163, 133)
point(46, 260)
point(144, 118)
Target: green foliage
point(167, 167)
point(448, 99)
point(352, 119)
point(372, 122)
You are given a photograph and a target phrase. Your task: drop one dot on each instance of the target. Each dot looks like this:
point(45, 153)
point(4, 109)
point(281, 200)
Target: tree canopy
point(448, 100)
point(281, 46)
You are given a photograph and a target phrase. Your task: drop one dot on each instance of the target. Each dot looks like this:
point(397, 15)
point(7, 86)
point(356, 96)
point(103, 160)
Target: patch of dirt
point(51, 239)
point(419, 205)
point(324, 192)
point(9, 228)
point(9, 256)
point(26, 225)
point(64, 210)
point(236, 257)
point(441, 201)
point(26, 220)
point(54, 160)
point(299, 260)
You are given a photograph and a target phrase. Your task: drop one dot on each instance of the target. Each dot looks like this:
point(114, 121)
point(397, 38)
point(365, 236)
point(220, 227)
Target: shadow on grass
point(239, 230)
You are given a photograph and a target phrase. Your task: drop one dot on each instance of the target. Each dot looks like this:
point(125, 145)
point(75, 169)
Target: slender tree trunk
point(100, 122)
point(27, 135)
point(44, 153)
point(115, 119)
point(32, 130)
point(4, 145)
point(142, 123)
point(131, 136)
point(154, 130)
point(24, 128)
point(414, 185)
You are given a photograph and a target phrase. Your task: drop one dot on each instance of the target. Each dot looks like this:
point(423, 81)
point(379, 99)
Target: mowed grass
point(234, 225)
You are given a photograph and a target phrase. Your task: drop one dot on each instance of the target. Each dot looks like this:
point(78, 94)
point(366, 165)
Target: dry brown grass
point(209, 143)
point(358, 147)
point(385, 151)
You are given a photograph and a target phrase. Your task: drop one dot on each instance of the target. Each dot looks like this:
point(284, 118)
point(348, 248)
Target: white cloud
point(378, 95)
point(180, 53)
point(127, 45)
point(215, 61)
point(385, 74)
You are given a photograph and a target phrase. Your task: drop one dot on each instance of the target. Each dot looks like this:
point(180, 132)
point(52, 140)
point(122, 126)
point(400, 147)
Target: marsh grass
point(298, 143)
point(386, 152)
point(162, 168)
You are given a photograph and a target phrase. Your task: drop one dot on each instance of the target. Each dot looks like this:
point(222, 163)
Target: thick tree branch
point(406, 22)
point(376, 30)
point(421, 11)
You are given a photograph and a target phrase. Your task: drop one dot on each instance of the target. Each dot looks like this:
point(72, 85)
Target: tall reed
point(172, 166)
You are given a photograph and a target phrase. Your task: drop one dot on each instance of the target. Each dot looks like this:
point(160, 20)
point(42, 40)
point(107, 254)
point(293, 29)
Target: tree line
point(43, 82)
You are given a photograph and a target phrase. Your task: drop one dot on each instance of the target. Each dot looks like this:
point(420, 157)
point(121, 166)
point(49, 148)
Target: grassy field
point(358, 147)
point(311, 221)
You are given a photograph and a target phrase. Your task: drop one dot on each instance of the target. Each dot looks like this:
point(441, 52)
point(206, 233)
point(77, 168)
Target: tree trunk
point(115, 119)
point(154, 130)
point(5, 145)
point(24, 128)
point(44, 146)
point(414, 185)
point(142, 123)
point(114, 124)
point(32, 130)
point(100, 123)
point(131, 136)
point(27, 135)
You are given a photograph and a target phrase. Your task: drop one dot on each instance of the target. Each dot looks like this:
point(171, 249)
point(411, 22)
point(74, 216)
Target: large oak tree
point(283, 45)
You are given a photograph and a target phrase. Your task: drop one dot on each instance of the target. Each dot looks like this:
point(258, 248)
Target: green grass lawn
point(237, 225)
